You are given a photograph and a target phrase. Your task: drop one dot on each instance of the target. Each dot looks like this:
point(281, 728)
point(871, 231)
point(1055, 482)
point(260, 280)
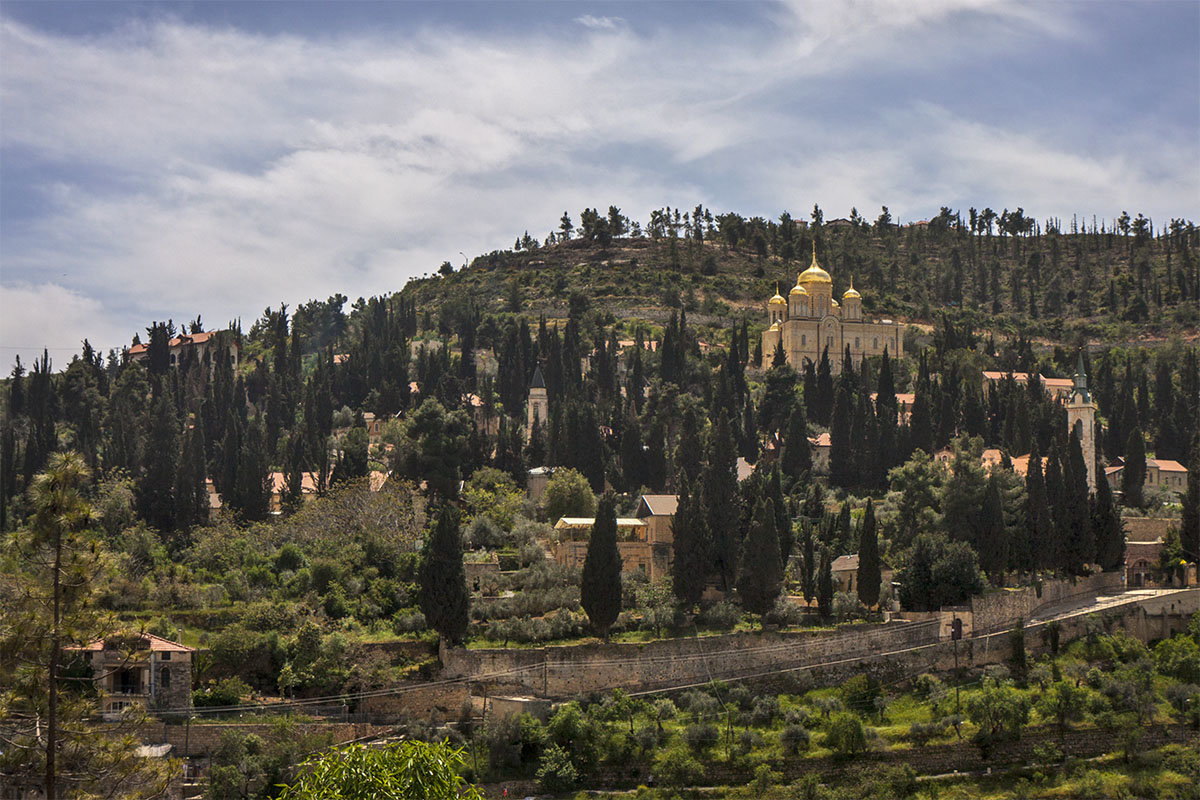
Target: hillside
point(1103, 286)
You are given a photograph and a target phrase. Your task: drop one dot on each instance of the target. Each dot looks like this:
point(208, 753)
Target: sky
point(169, 160)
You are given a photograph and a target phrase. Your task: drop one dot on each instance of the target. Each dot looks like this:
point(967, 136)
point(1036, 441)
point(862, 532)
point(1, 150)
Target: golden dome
point(836, 304)
point(775, 326)
point(851, 293)
point(798, 290)
point(814, 273)
point(777, 300)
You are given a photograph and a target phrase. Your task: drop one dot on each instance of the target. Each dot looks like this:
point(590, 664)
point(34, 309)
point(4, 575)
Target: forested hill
point(1120, 280)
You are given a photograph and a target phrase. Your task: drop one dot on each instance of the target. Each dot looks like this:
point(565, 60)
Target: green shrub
point(676, 769)
point(845, 734)
point(794, 739)
point(556, 772)
point(700, 737)
point(860, 692)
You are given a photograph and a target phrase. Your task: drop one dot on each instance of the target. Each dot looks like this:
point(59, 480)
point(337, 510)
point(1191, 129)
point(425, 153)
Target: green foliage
point(860, 692)
point(678, 769)
point(568, 494)
point(760, 571)
point(223, 693)
point(556, 772)
point(444, 596)
point(600, 586)
point(410, 770)
point(845, 735)
point(1179, 657)
point(938, 572)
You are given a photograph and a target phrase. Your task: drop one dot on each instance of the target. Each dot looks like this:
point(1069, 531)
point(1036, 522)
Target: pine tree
point(760, 575)
point(721, 502)
point(445, 601)
point(825, 584)
point(600, 583)
point(796, 459)
point(1110, 530)
point(1133, 476)
point(869, 571)
point(689, 529)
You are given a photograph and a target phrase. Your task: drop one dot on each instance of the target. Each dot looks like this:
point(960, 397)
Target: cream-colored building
point(809, 321)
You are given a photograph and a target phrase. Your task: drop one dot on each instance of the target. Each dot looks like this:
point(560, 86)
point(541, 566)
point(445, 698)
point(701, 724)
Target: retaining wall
point(571, 671)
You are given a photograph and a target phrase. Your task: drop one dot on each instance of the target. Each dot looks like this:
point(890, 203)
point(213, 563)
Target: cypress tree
point(825, 584)
point(157, 486)
point(992, 541)
point(600, 583)
point(822, 404)
point(796, 459)
point(760, 575)
point(1133, 476)
point(445, 601)
point(293, 491)
point(1079, 541)
point(920, 422)
point(721, 506)
point(841, 448)
point(689, 529)
point(689, 455)
point(783, 520)
point(749, 443)
point(779, 396)
point(869, 571)
point(1055, 548)
point(633, 454)
point(190, 490)
point(1110, 530)
point(253, 489)
point(1189, 518)
point(808, 576)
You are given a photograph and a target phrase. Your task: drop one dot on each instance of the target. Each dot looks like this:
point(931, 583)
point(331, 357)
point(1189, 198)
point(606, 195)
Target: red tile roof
point(157, 644)
point(178, 341)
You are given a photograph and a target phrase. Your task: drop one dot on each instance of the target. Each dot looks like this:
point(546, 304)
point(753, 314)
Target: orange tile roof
point(157, 644)
point(178, 341)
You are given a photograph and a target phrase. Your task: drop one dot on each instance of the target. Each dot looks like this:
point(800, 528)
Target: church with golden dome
point(809, 320)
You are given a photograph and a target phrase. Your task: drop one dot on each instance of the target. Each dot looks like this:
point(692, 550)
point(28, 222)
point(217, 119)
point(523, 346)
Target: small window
point(803, 340)
point(164, 677)
point(164, 656)
point(856, 344)
point(876, 345)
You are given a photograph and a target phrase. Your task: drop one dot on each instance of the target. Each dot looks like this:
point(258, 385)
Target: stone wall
point(572, 671)
point(1001, 609)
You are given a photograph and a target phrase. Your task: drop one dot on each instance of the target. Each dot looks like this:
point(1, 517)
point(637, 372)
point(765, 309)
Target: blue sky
point(168, 160)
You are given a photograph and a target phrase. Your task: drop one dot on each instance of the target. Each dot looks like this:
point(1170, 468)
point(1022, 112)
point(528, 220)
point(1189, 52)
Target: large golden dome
point(814, 273)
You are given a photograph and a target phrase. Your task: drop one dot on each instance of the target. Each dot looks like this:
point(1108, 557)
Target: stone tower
point(538, 406)
point(1081, 416)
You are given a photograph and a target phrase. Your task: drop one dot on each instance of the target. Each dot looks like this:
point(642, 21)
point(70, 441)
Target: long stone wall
point(1001, 609)
point(571, 671)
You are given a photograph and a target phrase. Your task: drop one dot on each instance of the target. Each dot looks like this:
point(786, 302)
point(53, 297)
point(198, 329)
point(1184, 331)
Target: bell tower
point(538, 406)
point(1081, 416)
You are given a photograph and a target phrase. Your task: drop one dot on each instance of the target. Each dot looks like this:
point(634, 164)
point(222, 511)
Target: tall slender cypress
point(721, 502)
point(760, 574)
point(869, 570)
point(445, 601)
point(600, 583)
point(689, 530)
point(1110, 530)
point(841, 446)
point(1133, 476)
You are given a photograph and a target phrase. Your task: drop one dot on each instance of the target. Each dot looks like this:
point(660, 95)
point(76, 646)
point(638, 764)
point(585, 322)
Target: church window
point(856, 344)
point(803, 340)
point(876, 345)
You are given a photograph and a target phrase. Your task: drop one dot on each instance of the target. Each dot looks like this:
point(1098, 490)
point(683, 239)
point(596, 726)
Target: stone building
point(1081, 418)
point(140, 669)
point(186, 345)
point(809, 321)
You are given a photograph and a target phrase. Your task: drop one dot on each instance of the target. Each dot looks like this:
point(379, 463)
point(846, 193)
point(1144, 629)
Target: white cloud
point(220, 172)
point(55, 318)
point(600, 23)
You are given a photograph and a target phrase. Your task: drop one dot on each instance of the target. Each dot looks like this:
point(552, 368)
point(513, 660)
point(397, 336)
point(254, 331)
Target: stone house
point(186, 345)
point(637, 552)
point(140, 669)
point(845, 574)
point(1161, 473)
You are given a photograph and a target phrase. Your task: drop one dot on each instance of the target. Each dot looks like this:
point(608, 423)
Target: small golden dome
point(851, 293)
point(775, 326)
point(814, 273)
point(798, 290)
point(777, 300)
point(836, 304)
